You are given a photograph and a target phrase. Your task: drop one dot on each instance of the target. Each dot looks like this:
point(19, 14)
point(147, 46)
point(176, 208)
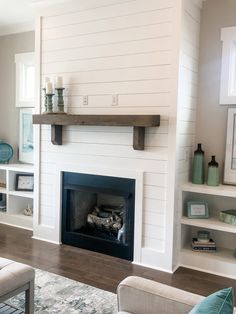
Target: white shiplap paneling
point(125, 48)
point(187, 101)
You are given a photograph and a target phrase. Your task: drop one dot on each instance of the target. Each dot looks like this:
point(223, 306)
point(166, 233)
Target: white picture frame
point(230, 150)
point(26, 146)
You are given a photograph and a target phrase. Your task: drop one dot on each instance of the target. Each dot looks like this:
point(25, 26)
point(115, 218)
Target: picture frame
point(24, 182)
point(26, 146)
point(230, 149)
point(197, 210)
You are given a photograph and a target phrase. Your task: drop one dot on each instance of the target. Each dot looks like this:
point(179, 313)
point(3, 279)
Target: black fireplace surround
point(98, 213)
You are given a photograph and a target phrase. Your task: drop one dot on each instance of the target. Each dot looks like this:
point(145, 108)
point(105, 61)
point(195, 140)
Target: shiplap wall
point(104, 48)
point(188, 86)
point(187, 97)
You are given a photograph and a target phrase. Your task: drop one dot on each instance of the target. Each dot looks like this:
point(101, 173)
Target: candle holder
point(49, 103)
point(45, 100)
point(60, 103)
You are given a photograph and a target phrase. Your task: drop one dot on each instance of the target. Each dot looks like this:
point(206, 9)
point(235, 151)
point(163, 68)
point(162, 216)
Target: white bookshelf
point(221, 262)
point(16, 201)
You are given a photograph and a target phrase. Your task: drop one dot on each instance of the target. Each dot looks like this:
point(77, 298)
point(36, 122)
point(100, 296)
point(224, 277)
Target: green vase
point(198, 165)
point(213, 172)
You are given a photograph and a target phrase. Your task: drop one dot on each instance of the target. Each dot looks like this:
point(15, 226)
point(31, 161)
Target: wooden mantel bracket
point(139, 123)
point(56, 134)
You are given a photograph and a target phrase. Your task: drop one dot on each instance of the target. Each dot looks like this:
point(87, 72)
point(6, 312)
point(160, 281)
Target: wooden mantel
point(138, 122)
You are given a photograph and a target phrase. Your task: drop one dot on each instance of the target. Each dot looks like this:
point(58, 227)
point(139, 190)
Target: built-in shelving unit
point(138, 122)
point(222, 261)
point(16, 201)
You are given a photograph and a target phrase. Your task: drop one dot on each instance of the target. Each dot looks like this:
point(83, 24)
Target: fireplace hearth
point(98, 213)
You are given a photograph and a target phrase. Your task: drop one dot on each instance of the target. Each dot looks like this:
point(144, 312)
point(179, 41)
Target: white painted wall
point(9, 114)
point(212, 117)
point(130, 48)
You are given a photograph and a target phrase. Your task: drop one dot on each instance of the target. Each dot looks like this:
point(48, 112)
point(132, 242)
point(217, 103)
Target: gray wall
point(9, 121)
point(211, 117)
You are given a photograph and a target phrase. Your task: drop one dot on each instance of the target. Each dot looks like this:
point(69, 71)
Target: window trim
point(22, 60)
point(228, 66)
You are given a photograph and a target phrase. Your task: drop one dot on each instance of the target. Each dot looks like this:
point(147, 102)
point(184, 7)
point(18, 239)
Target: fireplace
point(98, 213)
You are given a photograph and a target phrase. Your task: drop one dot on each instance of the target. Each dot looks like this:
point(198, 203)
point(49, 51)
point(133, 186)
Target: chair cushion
point(220, 302)
point(13, 275)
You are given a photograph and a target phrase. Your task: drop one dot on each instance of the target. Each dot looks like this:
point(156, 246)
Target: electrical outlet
point(114, 100)
point(186, 154)
point(85, 100)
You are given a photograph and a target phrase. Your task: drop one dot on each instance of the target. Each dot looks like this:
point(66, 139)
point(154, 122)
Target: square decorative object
point(24, 182)
point(197, 210)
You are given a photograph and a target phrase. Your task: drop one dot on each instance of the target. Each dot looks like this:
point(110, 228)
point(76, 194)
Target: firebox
point(98, 213)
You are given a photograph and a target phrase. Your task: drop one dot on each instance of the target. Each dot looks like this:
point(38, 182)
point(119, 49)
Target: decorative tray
point(6, 153)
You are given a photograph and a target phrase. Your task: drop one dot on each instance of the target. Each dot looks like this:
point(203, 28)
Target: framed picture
point(24, 182)
point(26, 146)
point(197, 210)
point(230, 150)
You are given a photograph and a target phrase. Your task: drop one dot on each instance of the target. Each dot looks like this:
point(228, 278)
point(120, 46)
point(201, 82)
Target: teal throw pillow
point(220, 302)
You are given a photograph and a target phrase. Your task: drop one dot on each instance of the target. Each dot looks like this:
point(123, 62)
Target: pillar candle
point(59, 82)
point(46, 80)
point(49, 89)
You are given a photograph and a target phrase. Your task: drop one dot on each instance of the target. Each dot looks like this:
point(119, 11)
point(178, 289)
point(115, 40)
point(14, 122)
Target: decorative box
point(228, 216)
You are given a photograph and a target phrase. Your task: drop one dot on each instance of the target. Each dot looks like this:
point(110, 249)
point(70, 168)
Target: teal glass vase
point(198, 165)
point(213, 172)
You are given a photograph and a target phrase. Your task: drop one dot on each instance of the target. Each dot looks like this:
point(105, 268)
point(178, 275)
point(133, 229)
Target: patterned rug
point(57, 294)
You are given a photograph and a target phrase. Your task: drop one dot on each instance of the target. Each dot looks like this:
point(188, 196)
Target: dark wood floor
point(95, 269)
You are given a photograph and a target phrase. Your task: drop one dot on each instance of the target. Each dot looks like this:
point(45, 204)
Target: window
point(25, 78)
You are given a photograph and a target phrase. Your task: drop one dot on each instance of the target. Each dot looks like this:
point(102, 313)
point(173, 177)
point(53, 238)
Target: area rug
point(57, 294)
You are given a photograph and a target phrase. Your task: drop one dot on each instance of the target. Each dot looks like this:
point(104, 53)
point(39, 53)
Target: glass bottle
point(198, 165)
point(213, 172)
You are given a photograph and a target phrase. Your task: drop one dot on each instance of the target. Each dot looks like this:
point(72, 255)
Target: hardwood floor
point(96, 269)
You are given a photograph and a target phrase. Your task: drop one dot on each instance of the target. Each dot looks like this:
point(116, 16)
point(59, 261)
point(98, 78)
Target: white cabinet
point(16, 201)
point(222, 261)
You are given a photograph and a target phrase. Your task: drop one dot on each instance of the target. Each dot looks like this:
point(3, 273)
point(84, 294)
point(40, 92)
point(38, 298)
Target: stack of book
point(200, 246)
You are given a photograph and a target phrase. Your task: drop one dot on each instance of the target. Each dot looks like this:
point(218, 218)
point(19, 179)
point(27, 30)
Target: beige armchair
point(137, 295)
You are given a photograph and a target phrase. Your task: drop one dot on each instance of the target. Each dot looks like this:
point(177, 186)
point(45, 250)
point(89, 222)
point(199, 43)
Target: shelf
point(18, 167)
point(22, 194)
point(221, 190)
point(3, 190)
point(220, 262)
point(138, 122)
point(209, 223)
point(17, 220)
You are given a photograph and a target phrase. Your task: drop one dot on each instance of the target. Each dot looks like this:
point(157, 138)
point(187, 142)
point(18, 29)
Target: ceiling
point(18, 15)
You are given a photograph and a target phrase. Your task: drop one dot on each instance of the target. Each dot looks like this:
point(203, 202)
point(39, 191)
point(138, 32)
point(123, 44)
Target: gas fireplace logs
point(107, 218)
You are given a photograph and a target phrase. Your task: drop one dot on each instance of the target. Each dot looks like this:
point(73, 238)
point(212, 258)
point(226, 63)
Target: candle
point(46, 80)
point(59, 82)
point(49, 89)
